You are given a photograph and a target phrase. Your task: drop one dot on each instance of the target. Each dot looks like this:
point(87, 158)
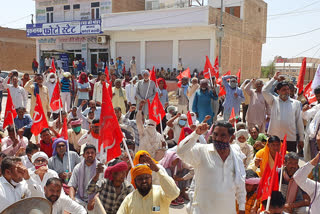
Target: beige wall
point(126, 50)
point(159, 54)
point(16, 50)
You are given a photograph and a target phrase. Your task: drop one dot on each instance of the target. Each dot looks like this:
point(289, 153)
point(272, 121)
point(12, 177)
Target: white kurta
point(217, 187)
point(64, 203)
point(36, 186)
point(308, 185)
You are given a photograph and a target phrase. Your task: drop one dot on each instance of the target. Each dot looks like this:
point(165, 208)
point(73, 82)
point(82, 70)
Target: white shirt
point(65, 203)
point(97, 91)
point(10, 195)
point(218, 185)
point(36, 186)
point(47, 62)
point(18, 95)
point(314, 114)
point(286, 117)
point(87, 139)
point(308, 185)
point(26, 162)
point(131, 93)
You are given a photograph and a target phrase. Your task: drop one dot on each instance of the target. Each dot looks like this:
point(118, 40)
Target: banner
point(65, 62)
point(82, 27)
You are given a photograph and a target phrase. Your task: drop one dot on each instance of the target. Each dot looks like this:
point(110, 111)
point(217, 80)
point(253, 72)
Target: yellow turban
point(138, 155)
point(139, 170)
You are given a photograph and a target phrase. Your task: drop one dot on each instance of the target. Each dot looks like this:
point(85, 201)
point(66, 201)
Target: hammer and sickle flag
point(10, 111)
point(110, 132)
point(56, 98)
point(39, 118)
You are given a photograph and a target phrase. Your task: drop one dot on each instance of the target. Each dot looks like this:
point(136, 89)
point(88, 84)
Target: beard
point(144, 190)
point(52, 198)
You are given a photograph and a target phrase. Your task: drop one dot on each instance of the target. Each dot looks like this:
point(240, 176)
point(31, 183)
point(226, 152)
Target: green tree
point(268, 70)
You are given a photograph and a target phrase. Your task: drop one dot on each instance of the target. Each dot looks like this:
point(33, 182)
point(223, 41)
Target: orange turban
point(136, 159)
point(139, 170)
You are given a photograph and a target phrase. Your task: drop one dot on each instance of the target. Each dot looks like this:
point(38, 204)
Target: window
point(95, 10)
point(235, 11)
point(66, 7)
point(67, 13)
point(49, 12)
point(76, 6)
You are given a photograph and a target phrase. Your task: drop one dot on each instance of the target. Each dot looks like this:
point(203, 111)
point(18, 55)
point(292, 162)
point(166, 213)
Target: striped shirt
point(65, 85)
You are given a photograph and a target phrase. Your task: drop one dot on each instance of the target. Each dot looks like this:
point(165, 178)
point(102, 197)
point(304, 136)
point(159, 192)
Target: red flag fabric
point(283, 152)
point(53, 67)
point(156, 111)
point(219, 80)
point(182, 136)
point(263, 181)
point(56, 98)
point(185, 73)
point(272, 182)
point(301, 75)
point(239, 75)
point(110, 135)
point(216, 67)
point(64, 130)
point(10, 113)
point(124, 69)
point(110, 90)
point(208, 68)
point(39, 118)
point(308, 93)
point(106, 71)
point(153, 75)
point(189, 118)
point(233, 114)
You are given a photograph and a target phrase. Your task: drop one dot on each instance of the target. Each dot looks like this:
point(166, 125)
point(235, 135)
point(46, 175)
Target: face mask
point(284, 97)
point(13, 183)
point(37, 167)
point(203, 89)
point(77, 129)
point(219, 145)
point(233, 84)
point(52, 80)
point(182, 122)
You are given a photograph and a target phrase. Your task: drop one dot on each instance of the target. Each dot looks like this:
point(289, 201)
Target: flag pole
point(14, 127)
point(210, 78)
point(268, 203)
point(101, 159)
point(147, 89)
point(281, 174)
point(127, 150)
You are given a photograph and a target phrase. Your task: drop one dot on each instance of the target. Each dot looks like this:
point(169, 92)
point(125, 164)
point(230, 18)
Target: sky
point(285, 18)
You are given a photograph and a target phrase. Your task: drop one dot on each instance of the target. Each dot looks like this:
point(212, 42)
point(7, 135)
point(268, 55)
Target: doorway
point(94, 61)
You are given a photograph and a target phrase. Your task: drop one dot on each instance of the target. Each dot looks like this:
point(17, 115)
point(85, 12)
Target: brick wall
point(243, 39)
point(127, 5)
point(16, 50)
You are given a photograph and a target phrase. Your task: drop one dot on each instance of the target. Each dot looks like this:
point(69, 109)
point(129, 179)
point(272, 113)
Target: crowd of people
point(208, 152)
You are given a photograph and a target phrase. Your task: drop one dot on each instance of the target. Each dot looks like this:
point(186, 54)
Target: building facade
point(16, 50)
point(159, 37)
point(291, 67)
point(71, 29)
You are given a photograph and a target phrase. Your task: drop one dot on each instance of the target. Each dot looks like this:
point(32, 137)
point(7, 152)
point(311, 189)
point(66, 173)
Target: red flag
point(239, 75)
point(208, 68)
point(53, 67)
point(185, 73)
point(110, 90)
point(39, 118)
point(153, 75)
point(182, 136)
point(10, 113)
point(56, 98)
point(283, 152)
point(308, 93)
point(219, 80)
point(301, 75)
point(156, 111)
point(232, 115)
point(110, 135)
point(189, 118)
point(64, 130)
point(106, 71)
point(216, 67)
point(272, 182)
point(263, 181)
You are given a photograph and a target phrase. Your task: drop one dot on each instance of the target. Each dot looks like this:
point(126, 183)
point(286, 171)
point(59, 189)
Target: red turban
point(122, 166)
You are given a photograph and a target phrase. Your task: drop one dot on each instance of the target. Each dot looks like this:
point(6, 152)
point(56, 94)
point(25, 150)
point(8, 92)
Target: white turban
point(37, 155)
point(242, 132)
point(183, 117)
point(152, 122)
